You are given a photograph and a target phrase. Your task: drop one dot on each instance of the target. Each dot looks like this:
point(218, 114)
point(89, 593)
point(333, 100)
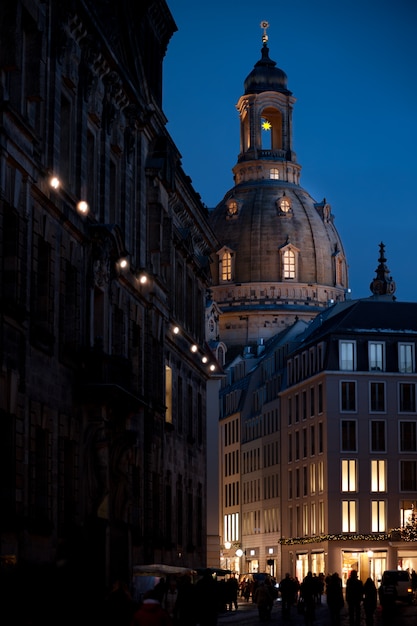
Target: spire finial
point(264, 25)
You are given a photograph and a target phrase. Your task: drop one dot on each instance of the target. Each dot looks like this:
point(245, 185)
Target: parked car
point(402, 580)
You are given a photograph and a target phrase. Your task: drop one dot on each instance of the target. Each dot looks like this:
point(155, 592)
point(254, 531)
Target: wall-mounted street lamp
point(123, 263)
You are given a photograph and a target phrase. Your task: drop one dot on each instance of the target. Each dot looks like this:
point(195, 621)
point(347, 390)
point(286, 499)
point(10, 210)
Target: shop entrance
point(367, 563)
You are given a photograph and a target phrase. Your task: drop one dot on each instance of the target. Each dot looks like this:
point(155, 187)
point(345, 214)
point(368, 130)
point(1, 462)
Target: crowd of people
point(172, 602)
point(358, 595)
point(181, 602)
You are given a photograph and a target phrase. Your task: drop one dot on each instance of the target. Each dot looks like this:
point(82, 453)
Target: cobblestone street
point(248, 614)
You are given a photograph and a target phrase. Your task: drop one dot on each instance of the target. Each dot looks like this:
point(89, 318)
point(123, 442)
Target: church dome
point(272, 217)
point(265, 76)
point(280, 257)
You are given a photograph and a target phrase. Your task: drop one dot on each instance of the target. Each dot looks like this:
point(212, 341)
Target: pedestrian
point(120, 607)
point(207, 599)
point(335, 600)
point(264, 601)
point(150, 612)
point(354, 594)
point(369, 601)
point(232, 591)
point(387, 597)
point(169, 601)
point(287, 588)
point(186, 606)
point(308, 594)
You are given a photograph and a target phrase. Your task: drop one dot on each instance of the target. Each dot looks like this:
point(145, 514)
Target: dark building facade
point(104, 266)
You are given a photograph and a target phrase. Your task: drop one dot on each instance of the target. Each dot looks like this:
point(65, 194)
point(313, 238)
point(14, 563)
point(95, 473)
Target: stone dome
point(265, 76)
point(260, 229)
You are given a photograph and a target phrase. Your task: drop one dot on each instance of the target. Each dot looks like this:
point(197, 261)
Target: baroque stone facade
point(104, 266)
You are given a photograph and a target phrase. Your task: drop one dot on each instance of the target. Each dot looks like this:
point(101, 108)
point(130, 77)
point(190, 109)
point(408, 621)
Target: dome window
point(232, 208)
point(284, 205)
point(289, 262)
point(225, 266)
point(274, 173)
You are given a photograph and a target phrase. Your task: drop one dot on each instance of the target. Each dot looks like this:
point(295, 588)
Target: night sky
point(352, 68)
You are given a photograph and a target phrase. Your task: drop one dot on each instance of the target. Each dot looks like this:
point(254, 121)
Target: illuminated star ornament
point(266, 125)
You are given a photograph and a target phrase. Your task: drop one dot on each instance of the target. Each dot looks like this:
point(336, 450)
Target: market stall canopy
point(160, 569)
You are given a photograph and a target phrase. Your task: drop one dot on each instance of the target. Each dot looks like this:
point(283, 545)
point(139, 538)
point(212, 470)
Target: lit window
point(226, 272)
point(378, 516)
point(407, 511)
point(312, 479)
point(376, 356)
point(305, 520)
point(406, 357)
point(349, 475)
point(321, 517)
point(274, 173)
point(378, 473)
point(347, 355)
point(348, 516)
point(289, 264)
point(320, 476)
point(285, 205)
point(313, 529)
point(232, 207)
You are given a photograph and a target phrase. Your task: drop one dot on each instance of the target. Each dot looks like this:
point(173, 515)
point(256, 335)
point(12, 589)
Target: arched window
point(289, 264)
point(274, 173)
point(226, 272)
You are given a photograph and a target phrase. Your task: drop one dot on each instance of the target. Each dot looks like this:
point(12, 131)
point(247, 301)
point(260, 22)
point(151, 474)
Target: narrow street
point(247, 615)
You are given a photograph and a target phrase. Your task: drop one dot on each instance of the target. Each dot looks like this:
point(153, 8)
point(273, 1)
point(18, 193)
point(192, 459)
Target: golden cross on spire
point(264, 25)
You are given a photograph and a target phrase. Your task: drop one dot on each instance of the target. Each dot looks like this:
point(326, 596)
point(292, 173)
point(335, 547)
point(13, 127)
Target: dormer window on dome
point(289, 262)
point(284, 205)
point(226, 265)
point(232, 208)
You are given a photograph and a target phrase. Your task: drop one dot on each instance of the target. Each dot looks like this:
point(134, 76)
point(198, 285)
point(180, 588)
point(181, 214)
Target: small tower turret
point(383, 285)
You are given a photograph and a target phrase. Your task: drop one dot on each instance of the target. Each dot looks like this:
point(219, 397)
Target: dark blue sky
point(351, 65)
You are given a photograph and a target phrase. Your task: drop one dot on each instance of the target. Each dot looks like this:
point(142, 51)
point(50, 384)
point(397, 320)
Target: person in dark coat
point(207, 599)
point(186, 609)
point(354, 594)
point(308, 594)
point(335, 600)
point(369, 600)
point(287, 588)
point(232, 589)
point(387, 598)
point(120, 607)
